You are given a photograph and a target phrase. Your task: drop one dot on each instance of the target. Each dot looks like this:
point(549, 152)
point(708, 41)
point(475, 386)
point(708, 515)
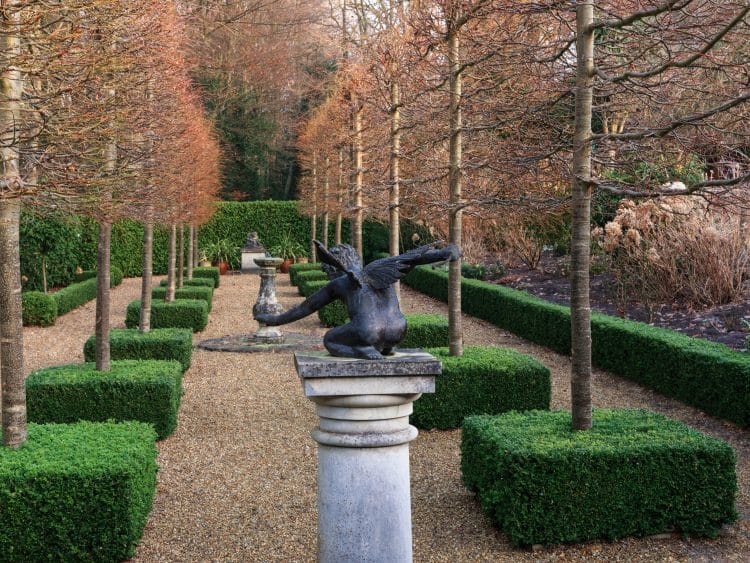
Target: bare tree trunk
point(393, 207)
point(11, 315)
point(314, 218)
point(103, 296)
point(455, 331)
point(148, 269)
point(580, 306)
point(339, 214)
point(44, 273)
point(181, 255)
point(326, 186)
point(196, 250)
point(358, 177)
point(191, 251)
point(11, 324)
point(169, 297)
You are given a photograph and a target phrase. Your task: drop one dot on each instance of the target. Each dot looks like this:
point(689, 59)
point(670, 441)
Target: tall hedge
point(69, 241)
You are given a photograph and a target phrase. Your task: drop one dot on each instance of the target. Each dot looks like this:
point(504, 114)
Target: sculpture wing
point(385, 271)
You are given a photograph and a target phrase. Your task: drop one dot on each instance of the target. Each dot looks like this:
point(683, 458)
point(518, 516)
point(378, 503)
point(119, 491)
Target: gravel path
point(237, 479)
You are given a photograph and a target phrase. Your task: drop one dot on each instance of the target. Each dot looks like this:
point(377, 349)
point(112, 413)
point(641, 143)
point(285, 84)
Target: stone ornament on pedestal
point(267, 302)
point(251, 253)
point(364, 497)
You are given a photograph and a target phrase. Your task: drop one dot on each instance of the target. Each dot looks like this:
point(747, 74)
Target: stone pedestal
point(364, 498)
point(250, 257)
point(267, 302)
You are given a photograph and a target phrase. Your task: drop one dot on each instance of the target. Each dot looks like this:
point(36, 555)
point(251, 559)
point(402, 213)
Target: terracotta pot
point(284, 268)
point(223, 267)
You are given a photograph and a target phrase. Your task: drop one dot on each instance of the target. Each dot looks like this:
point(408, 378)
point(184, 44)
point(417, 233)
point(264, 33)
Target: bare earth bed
point(237, 479)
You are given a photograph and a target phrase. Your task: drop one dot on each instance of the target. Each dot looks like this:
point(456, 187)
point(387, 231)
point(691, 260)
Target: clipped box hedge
point(207, 272)
point(77, 492)
point(307, 288)
point(157, 344)
point(193, 292)
point(425, 331)
point(183, 313)
point(75, 295)
point(39, 308)
point(142, 390)
point(485, 380)
point(115, 276)
point(333, 314)
point(310, 276)
point(295, 269)
point(202, 282)
point(704, 374)
point(634, 473)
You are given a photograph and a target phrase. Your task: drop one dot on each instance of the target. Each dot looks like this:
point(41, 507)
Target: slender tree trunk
point(326, 187)
point(171, 263)
point(314, 218)
point(196, 250)
point(580, 306)
point(11, 324)
point(339, 214)
point(181, 255)
point(11, 316)
point(358, 177)
point(191, 251)
point(395, 177)
point(455, 331)
point(103, 296)
point(44, 273)
point(148, 269)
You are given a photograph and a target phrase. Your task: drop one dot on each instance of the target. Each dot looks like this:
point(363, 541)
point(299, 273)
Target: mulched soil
point(237, 479)
point(728, 324)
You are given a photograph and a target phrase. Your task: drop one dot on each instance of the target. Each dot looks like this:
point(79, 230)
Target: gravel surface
point(237, 479)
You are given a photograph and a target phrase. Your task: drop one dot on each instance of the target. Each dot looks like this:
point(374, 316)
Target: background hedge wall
point(70, 241)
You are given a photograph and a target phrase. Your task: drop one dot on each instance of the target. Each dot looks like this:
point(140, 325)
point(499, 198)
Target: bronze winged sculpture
point(377, 324)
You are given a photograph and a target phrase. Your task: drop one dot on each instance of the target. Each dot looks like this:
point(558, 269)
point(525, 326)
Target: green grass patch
point(78, 492)
point(485, 380)
point(192, 292)
point(183, 313)
point(157, 344)
point(635, 473)
point(142, 390)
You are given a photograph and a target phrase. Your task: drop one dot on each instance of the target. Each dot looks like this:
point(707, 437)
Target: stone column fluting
point(267, 302)
point(364, 497)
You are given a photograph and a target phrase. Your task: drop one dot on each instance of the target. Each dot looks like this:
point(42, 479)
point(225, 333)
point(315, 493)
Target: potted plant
point(288, 249)
point(203, 260)
point(220, 253)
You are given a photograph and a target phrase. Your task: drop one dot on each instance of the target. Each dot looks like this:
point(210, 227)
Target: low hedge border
point(310, 276)
point(41, 311)
point(295, 269)
point(77, 492)
point(39, 308)
point(333, 314)
point(200, 282)
point(183, 313)
point(194, 292)
point(142, 390)
point(307, 288)
point(207, 272)
point(157, 344)
point(704, 374)
point(485, 380)
point(634, 473)
point(425, 331)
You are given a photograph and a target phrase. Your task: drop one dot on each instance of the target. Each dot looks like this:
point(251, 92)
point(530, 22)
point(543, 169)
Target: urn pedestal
point(364, 498)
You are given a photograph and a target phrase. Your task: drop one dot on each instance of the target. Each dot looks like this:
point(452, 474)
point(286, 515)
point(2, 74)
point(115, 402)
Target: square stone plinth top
point(406, 362)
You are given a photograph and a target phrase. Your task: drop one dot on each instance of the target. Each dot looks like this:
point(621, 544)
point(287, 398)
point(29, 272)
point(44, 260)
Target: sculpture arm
point(449, 252)
point(316, 301)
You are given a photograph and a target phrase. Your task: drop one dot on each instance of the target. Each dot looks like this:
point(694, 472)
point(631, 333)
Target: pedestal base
point(364, 498)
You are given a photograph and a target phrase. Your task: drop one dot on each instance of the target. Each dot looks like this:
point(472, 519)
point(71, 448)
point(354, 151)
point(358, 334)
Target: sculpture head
point(347, 255)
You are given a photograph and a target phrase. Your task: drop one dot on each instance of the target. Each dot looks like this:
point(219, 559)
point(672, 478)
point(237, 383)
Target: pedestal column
point(364, 498)
point(267, 303)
